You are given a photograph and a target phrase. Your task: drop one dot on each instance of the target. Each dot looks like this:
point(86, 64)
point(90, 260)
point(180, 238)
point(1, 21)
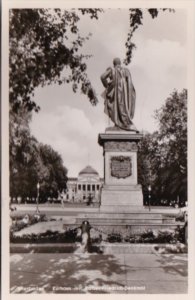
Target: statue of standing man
point(119, 96)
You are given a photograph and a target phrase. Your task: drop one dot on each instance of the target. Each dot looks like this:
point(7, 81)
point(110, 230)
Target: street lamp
point(38, 187)
point(149, 195)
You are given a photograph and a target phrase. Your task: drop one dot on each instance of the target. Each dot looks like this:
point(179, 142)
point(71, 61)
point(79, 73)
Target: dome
point(88, 171)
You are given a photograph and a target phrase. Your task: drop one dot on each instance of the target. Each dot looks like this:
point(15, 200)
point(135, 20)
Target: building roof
point(88, 170)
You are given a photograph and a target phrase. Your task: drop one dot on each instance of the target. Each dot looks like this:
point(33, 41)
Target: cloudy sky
point(70, 124)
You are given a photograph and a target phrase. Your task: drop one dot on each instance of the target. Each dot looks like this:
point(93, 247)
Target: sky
point(70, 124)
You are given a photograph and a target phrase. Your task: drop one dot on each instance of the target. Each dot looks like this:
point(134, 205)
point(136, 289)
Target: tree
point(145, 154)
point(172, 118)
point(21, 148)
point(56, 180)
point(163, 154)
point(32, 162)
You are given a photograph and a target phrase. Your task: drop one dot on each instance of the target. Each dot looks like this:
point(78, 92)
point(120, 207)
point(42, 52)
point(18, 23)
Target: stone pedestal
point(121, 191)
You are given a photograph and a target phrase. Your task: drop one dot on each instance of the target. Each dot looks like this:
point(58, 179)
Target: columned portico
point(86, 185)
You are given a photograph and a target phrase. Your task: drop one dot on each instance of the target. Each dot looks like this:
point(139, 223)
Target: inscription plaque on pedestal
point(121, 166)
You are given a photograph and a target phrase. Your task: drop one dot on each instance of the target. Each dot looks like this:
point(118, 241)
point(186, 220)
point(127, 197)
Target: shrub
point(180, 234)
point(165, 237)
point(69, 236)
point(153, 236)
point(114, 238)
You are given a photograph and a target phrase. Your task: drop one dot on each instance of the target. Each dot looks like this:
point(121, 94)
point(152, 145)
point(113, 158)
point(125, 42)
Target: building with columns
point(86, 186)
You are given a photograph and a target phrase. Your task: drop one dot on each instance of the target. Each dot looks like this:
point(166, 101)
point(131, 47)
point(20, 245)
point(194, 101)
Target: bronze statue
point(119, 96)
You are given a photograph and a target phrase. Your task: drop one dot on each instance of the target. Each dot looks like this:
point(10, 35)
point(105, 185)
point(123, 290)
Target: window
point(79, 187)
point(93, 187)
point(83, 187)
point(88, 187)
point(98, 187)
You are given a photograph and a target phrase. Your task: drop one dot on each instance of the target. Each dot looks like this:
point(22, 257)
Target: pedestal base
point(121, 198)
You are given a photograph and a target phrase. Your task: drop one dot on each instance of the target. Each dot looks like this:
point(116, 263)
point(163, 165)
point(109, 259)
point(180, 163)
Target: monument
point(121, 190)
point(121, 209)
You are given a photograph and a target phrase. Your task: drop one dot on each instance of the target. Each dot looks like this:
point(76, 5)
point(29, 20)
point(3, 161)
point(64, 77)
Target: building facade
point(86, 187)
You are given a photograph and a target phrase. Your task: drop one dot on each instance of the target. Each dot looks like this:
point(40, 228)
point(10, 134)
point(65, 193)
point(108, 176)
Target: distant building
point(86, 186)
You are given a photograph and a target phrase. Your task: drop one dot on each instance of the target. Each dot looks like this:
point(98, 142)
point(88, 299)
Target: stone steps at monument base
point(130, 208)
point(125, 229)
point(125, 221)
point(133, 215)
point(131, 229)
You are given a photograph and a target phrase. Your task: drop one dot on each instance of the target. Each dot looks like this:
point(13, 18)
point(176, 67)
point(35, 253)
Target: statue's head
point(116, 61)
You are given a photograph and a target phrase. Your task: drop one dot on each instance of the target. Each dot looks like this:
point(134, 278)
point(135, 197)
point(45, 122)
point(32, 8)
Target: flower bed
point(151, 236)
point(69, 236)
point(72, 235)
point(26, 220)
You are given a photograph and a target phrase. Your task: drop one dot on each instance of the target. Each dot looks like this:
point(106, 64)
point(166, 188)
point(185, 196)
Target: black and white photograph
point(97, 196)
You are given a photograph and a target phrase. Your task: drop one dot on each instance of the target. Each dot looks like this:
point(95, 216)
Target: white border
point(189, 5)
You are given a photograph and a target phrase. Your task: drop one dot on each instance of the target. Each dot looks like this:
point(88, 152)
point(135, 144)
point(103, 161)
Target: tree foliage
point(42, 43)
point(135, 21)
point(32, 162)
point(163, 154)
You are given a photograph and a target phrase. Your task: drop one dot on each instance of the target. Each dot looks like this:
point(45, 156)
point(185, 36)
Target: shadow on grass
point(173, 264)
point(75, 271)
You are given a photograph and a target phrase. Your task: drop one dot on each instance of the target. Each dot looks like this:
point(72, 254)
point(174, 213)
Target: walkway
point(98, 273)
